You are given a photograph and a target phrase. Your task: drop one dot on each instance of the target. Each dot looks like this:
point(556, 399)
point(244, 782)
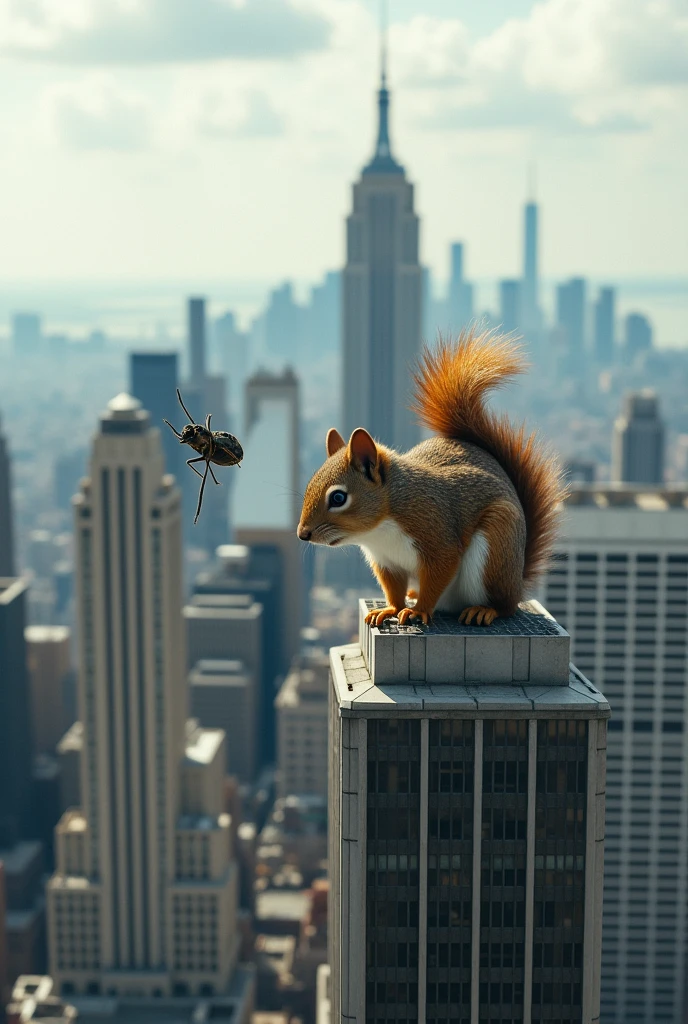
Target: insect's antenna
point(173, 429)
point(181, 402)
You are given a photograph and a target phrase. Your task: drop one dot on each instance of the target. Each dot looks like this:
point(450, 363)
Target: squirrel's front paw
point(378, 615)
point(413, 613)
point(483, 616)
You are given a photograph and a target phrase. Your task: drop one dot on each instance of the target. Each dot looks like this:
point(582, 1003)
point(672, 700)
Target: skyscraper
point(604, 326)
point(571, 321)
point(620, 586)
point(382, 295)
point(196, 337)
point(143, 897)
point(460, 298)
point(510, 305)
point(466, 808)
point(16, 746)
point(638, 441)
point(6, 518)
point(154, 381)
point(531, 299)
point(638, 335)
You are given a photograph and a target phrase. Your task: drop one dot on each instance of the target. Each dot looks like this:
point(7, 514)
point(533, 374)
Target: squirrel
point(468, 517)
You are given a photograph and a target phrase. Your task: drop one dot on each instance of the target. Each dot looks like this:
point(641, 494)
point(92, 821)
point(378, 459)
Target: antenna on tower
point(383, 42)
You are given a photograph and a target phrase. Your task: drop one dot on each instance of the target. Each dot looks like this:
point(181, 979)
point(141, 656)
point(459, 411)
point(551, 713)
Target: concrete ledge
point(527, 648)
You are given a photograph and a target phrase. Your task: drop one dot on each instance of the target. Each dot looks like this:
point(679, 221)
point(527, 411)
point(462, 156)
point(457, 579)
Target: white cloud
point(159, 31)
point(571, 65)
point(248, 115)
point(97, 114)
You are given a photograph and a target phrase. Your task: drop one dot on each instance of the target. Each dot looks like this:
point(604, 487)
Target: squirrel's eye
point(337, 499)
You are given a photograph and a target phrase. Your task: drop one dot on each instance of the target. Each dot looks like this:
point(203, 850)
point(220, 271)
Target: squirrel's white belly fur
point(388, 546)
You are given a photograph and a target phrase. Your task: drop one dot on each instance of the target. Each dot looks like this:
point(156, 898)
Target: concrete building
point(6, 517)
point(382, 296)
point(143, 899)
point(466, 812)
point(510, 306)
point(263, 390)
point(16, 742)
point(154, 380)
point(603, 325)
point(460, 297)
point(48, 658)
point(638, 336)
point(571, 321)
point(23, 869)
point(33, 999)
point(530, 309)
point(196, 340)
point(620, 586)
point(301, 706)
point(223, 695)
point(69, 752)
point(638, 441)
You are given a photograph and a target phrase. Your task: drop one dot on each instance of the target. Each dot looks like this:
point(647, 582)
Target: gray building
point(638, 440)
point(571, 321)
point(154, 381)
point(510, 305)
point(382, 296)
point(638, 335)
point(223, 696)
point(196, 340)
point(620, 586)
point(6, 518)
point(603, 317)
point(531, 298)
point(460, 297)
point(466, 808)
point(16, 744)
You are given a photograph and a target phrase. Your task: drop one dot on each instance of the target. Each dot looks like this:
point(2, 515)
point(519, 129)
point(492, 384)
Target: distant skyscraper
point(510, 305)
point(231, 346)
point(27, 333)
point(382, 296)
point(6, 517)
point(49, 664)
point(638, 442)
point(196, 340)
point(604, 326)
point(571, 320)
point(638, 335)
point(144, 893)
point(283, 324)
point(460, 298)
point(619, 584)
point(154, 381)
point(16, 746)
point(531, 299)
point(466, 809)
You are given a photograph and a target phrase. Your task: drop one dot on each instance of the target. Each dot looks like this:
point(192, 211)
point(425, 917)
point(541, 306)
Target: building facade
point(531, 296)
point(16, 741)
point(49, 663)
point(638, 441)
point(620, 586)
point(143, 867)
point(154, 380)
point(301, 706)
point(603, 326)
point(6, 518)
point(466, 825)
point(382, 296)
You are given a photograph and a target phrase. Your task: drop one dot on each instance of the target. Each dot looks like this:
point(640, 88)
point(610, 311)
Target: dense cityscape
point(221, 794)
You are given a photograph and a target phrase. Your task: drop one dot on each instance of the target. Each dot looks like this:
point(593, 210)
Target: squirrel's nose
point(303, 534)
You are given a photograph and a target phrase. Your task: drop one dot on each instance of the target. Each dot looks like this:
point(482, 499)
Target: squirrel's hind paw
point(483, 616)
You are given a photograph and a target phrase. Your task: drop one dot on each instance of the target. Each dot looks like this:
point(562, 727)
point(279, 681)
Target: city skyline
point(111, 107)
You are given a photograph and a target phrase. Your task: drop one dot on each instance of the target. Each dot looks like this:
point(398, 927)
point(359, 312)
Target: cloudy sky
point(165, 138)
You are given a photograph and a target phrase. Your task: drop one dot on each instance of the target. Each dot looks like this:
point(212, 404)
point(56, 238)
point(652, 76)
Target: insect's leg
point(181, 402)
point(173, 429)
point(207, 421)
point(212, 474)
point(199, 459)
point(200, 493)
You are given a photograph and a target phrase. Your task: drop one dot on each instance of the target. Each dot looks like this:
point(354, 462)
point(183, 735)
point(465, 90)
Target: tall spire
point(383, 162)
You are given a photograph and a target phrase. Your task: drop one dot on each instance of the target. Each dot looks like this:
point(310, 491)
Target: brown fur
point(451, 384)
point(480, 474)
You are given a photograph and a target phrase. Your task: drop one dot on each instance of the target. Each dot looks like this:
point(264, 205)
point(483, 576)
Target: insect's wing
point(228, 449)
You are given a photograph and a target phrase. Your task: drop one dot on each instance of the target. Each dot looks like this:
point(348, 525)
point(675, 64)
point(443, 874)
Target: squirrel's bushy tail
point(451, 383)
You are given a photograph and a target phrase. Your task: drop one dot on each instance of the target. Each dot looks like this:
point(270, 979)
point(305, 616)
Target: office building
point(604, 319)
point(69, 753)
point(460, 297)
point(466, 808)
point(232, 352)
point(23, 869)
point(301, 706)
point(620, 586)
point(48, 658)
point(322, 318)
point(266, 394)
point(510, 306)
point(6, 517)
point(224, 695)
point(531, 299)
point(381, 296)
point(283, 324)
point(27, 334)
point(196, 340)
point(638, 337)
point(16, 743)
point(571, 322)
point(143, 899)
point(154, 380)
point(638, 440)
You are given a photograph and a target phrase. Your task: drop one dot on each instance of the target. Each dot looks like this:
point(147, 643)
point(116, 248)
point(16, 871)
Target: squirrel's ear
point(363, 452)
point(334, 441)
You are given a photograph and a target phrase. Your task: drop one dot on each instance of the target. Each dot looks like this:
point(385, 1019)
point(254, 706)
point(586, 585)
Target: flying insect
point(213, 446)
